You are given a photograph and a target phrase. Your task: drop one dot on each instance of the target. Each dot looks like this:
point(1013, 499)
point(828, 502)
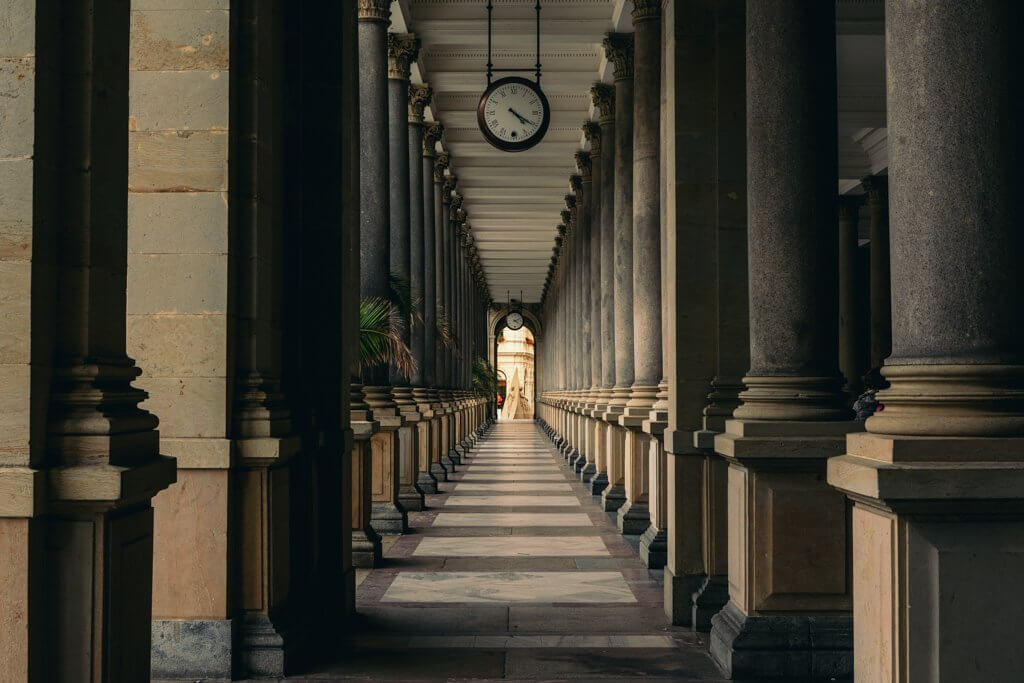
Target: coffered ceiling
point(513, 200)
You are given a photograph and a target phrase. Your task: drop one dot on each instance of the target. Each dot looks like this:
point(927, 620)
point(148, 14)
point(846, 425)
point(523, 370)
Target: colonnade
point(713, 414)
point(193, 200)
point(412, 426)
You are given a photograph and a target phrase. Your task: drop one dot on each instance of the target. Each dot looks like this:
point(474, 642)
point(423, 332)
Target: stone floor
point(514, 573)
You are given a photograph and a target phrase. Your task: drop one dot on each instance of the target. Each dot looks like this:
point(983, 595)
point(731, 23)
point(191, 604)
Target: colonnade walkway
point(513, 572)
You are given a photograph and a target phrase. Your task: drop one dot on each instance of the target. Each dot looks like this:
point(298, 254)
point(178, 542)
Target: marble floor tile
point(512, 546)
point(509, 587)
point(499, 501)
point(512, 476)
point(510, 519)
point(515, 487)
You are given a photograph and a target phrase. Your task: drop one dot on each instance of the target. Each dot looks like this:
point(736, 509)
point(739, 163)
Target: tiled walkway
point(514, 573)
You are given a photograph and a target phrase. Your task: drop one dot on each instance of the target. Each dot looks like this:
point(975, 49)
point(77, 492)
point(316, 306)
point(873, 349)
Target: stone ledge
point(892, 449)
point(110, 483)
point(927, 481)
point(766, 440)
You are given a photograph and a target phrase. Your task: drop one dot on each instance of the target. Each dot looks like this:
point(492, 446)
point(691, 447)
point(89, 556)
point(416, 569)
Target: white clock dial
point(513, 112)
point(514, 321)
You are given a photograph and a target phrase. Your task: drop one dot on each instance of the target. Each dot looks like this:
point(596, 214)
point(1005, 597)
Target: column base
point(366, 549)
point(708, 600)
point(579, 463)
point(426, 483)
point(613, 497)
point(633, 518)
point(679, 592)
point(411, 498)
point(454, 457)
point(654, 547)
point(389, 518)
point(192, 648)
point(588, 472)
point(782, 647)
point(439, 473)
point(598, 483)
point(266, 650)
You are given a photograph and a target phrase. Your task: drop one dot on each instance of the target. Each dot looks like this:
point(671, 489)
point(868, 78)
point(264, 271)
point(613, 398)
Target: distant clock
point(514, 320)
point(513, 114)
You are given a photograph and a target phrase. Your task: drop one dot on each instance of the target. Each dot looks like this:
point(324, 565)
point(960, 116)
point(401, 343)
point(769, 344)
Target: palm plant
point(380, 337)
point(485, 379)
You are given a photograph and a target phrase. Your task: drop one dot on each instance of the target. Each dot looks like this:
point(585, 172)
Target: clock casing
point(514, 320)
point(513, 114)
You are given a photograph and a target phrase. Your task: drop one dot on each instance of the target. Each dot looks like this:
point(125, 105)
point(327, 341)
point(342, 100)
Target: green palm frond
point(485, 379)
point(380, 337)
point(445, 332)
point(409, 307)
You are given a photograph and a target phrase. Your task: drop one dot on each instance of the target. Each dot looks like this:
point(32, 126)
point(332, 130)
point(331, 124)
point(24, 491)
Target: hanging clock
point(513, 114)
point(514, 320)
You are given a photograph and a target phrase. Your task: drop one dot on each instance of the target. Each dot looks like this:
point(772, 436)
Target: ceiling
point(513, 201)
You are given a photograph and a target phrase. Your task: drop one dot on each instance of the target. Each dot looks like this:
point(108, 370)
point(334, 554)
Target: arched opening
point(516, 368)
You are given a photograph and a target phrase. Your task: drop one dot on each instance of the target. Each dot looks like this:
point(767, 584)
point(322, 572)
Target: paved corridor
point(515, 573)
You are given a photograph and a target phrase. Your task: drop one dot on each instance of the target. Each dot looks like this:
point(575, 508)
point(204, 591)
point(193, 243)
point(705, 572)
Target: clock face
point(513, 321)
point(513, 114)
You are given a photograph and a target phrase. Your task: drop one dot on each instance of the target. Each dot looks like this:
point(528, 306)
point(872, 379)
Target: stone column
point(443, 239)
point(419, 191)
point(603, 97)
point(619, 49)
point(402, 51)
point(938, 480)
point(583, 212)
point(849, 341)
point(374, 253)
point(789, 599)
point(80, 459)
point(877, 189)
point(432, 178)
point(696, 571)
point(634, 516)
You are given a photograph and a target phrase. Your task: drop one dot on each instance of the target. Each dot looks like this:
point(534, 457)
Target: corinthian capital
point(603, 96)
point(373, 10)
point(644, 10)
point(440, 164)
point(618, 48)
point(592, 132)
point(431, 136)
point(402, 51)
point(419, 98)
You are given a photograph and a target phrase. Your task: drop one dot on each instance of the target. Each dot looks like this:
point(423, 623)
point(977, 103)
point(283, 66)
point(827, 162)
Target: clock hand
point(521, 119)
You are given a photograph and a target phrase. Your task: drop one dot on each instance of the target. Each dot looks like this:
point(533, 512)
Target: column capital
point(373, 10)
point(420, 95)
point(440, 164)
point(576, 183)
point(448, 189)
point(618, 48)
point(432, 134)
point(603, 97)
point(402, 51)
point(849, 206)
point(646, 10)
point(876, 187)
point(456, 202)
point(592, 132)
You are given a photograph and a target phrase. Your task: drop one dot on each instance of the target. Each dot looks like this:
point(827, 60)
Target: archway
point(515, 354)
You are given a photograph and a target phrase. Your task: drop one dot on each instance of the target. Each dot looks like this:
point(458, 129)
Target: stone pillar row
point(413, 426)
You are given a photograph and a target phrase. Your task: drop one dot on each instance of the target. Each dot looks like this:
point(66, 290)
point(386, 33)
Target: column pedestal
point(788, 614)
point(388, 515)
point(366, 545)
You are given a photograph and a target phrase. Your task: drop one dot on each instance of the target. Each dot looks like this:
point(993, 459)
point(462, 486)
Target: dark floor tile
point(681, 665)
point(433, 620)
point(414, 665)
point(620, 619)
point(511, 564)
